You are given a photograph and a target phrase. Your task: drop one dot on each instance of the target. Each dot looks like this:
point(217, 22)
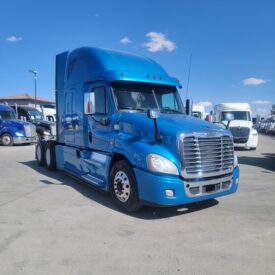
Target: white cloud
point(125, 40)
point(253, 81)
point(260, 102)
point(158, 42)
point(13, 38)
point(205, 103)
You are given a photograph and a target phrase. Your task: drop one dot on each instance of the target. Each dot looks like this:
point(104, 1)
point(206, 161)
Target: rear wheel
point(123, 187)
point(50, 156)
point(40, 153)
point(7, 140)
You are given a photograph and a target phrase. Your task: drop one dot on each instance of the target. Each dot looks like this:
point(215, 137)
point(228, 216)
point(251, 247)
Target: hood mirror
point(154, 114)
point(228, 117)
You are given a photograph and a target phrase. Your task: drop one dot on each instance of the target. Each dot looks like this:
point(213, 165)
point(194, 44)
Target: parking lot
point(52, 224)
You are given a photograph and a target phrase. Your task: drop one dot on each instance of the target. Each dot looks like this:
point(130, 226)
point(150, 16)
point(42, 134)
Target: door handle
point(90, 136)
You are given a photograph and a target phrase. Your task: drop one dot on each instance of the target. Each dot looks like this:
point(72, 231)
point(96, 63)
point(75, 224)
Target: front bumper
point(23, 140)
point(152, 188)
point(252, 142)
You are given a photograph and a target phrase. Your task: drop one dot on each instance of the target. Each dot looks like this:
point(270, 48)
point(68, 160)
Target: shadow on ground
point(267, 161)
point(103, 198)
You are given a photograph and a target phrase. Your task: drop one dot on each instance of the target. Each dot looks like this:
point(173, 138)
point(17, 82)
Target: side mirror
point(89, 103)
point(189, 107)
point(228, 117)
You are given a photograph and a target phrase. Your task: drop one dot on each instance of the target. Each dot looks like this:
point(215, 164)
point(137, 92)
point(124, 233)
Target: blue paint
point(127, 134)
point(14, 127)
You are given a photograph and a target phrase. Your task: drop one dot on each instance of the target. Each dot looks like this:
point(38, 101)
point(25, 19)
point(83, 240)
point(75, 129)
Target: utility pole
point(34, 72)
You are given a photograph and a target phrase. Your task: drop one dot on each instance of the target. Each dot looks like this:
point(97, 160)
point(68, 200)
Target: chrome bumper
point(22, 140)
point(206, 187)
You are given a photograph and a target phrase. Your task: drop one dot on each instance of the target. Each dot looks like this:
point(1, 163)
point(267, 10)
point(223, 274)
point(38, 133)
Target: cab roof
point(233, 106)
point(89, 64)
point(4, 107)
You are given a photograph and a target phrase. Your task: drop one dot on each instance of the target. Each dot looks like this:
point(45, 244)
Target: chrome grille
point(240, 132)
point(30, 130)
point(206, 156)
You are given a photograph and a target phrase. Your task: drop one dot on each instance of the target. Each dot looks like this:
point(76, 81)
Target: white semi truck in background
point(198, 111)
point(49, 112)
point(241, 127)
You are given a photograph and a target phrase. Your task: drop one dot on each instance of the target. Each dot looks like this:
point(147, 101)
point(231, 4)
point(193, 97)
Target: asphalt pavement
point(53, 224)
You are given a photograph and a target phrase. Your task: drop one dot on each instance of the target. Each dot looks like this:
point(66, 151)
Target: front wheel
point(7, 140)
point(123, 187)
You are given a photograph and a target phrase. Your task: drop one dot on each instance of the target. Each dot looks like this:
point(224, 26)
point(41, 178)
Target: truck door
point(99, 129)
point(67, 118)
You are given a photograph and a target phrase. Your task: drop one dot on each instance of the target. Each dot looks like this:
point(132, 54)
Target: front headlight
point(254, 132)
point(235, 160)
point(19, 134)
point(157, 163)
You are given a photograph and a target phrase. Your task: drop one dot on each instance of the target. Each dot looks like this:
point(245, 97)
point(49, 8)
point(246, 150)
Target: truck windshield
point(35, 115)
point(238, 115)
point(7, 115)
point(140, 98)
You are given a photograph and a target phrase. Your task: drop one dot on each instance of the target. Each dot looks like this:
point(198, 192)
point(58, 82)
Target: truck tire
point(7, 140)
point(253, 148)
point(40, 153)
point(123, 187)
point(50, 155)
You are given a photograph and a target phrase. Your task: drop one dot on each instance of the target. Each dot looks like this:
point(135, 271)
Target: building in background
point(26, 100)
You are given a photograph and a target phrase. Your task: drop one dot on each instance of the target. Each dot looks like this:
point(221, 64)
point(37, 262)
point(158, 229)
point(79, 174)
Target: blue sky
point(232, 43)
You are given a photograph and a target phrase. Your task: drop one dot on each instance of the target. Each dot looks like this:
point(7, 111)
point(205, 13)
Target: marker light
point(169, 193)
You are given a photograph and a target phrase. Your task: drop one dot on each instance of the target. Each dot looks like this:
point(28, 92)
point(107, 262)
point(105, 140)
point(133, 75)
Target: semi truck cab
point(122, 127)
point(45, 129)
point(244, 134)
point(14, 131)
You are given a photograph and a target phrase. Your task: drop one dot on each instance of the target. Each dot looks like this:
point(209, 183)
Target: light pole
point(34, 72)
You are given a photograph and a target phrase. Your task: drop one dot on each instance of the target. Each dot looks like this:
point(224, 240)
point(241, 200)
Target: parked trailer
point(121, 126)
point(14, 131)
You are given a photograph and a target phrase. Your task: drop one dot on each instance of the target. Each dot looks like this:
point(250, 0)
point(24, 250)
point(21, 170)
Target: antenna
point(188, 79)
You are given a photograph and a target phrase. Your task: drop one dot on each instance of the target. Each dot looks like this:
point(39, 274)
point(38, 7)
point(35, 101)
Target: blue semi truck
point(122, 127)
point(14, 131)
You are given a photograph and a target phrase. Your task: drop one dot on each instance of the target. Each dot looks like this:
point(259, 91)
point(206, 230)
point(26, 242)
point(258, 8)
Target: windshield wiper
point(133, 109)
point(168, 110)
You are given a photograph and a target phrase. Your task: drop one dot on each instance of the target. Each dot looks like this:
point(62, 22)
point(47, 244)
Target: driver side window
point(101, 99)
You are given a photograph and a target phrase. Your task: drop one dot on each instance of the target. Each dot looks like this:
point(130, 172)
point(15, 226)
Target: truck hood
point(241, 123)
point(170, 125)
point(16, 123)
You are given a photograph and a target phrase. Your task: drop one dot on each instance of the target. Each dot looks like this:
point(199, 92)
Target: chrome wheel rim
point(6, 140)
point(48, 156)
point(122, 186)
